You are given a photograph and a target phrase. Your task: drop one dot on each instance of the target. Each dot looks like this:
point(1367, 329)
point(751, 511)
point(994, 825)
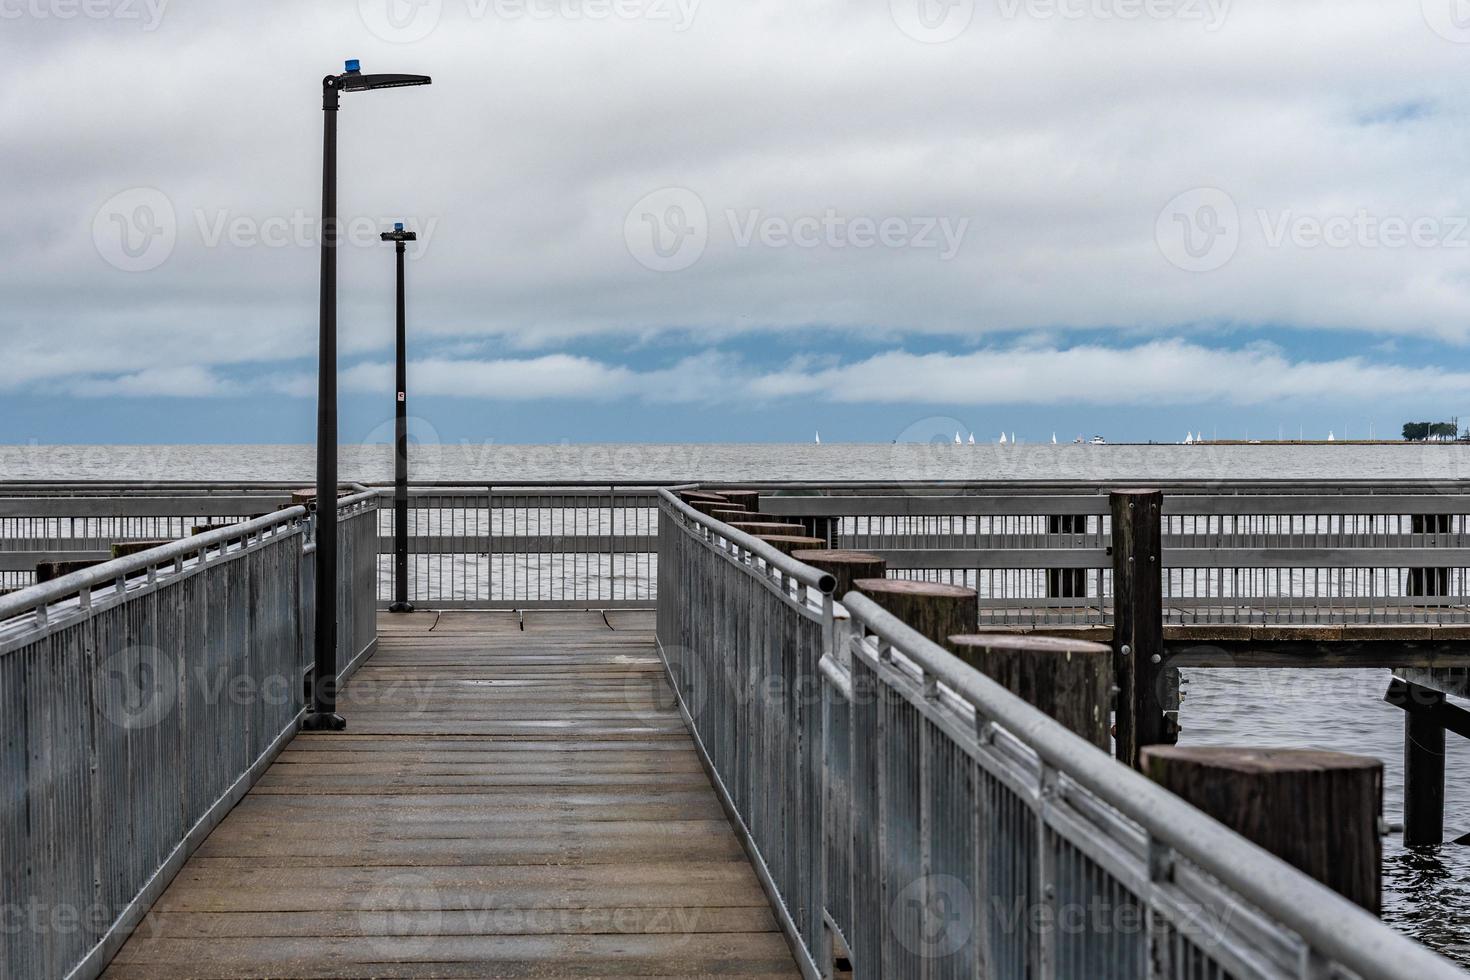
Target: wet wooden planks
point(515, 796)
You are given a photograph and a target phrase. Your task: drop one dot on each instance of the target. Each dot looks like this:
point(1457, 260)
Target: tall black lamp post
point(400, 440)
point(323, 715)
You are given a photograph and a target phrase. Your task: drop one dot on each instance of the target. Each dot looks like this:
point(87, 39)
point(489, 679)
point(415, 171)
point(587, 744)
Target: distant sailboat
point(957, 439)
point(819, 438)
point(1189, 438)
point(1013, 438)
point(1002, 438)
point(1053, 438)
point(972, 438)
point(1330, 436)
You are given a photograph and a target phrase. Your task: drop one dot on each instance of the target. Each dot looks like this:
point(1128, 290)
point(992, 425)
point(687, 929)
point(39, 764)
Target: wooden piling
point(844, 566)
point(746, 500)
point(121, 549)
point(934, 609)
point(1138, 623)
point(758, 528)
point(787, 543)
point(48, 570)
point(690, 496)
point(1070, 680)
point(205, 528)
point(1318, 811)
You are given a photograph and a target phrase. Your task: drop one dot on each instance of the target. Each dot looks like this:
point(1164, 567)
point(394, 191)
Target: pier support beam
point(1318, 811)
point(1427, 714)
point(1138, 624)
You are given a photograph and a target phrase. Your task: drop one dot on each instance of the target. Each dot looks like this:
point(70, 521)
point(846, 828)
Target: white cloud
point(1059, 138)
point(1157, 373)
point(184, 381)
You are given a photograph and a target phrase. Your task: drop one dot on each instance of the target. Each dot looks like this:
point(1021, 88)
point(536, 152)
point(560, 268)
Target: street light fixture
point(400, 438)
point(323, 714)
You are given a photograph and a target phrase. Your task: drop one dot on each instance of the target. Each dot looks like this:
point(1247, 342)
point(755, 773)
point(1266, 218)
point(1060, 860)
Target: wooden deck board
point(509, 800)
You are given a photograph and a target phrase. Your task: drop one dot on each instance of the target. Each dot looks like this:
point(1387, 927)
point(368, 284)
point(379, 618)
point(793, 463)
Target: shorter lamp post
point(400, 439)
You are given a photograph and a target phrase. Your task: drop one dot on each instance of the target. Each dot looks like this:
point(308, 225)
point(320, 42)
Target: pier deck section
point(515, 795)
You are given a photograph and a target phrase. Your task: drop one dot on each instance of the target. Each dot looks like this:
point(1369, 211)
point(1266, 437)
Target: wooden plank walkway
point(510, 799)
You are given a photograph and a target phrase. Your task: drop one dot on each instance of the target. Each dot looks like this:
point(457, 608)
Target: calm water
point(1427, 891)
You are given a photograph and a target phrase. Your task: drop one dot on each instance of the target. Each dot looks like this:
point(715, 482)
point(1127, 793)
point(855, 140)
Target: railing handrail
point(44, 593)
point(803, 573)
point(1329, 922)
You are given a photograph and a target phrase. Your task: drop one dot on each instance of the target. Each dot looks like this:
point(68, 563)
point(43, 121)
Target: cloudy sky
point(664, 220)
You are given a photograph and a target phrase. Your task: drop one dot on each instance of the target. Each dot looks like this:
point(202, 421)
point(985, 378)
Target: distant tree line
point(1419, 431)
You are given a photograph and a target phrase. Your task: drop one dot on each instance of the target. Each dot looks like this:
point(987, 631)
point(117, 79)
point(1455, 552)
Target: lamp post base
point(401, 607)
point(323, 722)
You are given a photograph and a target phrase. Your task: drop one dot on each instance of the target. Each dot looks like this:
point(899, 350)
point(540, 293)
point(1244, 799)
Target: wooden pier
point(545, 775)
point(516, 795)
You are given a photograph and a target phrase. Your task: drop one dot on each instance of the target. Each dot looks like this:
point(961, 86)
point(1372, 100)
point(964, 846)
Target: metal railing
point(956, 830)
point(139, 700)
point(741, 628)
point(1259, 553)
point(1236, 558)
point(524, 547)
point(501, 547)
